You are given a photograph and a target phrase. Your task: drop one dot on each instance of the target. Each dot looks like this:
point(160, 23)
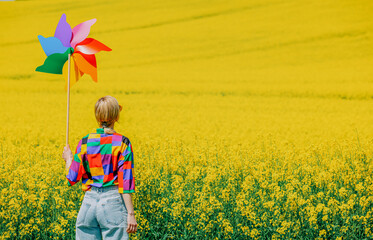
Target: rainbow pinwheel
point(74, 42)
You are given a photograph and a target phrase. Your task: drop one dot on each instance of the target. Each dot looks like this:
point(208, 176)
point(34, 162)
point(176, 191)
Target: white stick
point(68, 103)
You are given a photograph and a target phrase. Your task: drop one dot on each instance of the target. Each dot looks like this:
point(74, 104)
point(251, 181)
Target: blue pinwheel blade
point(51, 45)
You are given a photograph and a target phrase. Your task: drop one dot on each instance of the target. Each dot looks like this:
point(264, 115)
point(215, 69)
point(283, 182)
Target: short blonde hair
point(107, 111)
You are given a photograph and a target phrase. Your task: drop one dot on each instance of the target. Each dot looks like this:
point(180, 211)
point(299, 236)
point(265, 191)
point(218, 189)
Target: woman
point(104, 162)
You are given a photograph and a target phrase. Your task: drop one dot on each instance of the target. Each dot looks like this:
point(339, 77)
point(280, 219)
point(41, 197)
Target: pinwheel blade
point(63, 31)
point(85, 67)
point(90, 58)
point(81, 31)
point(74, 72)
point(51, 45)
point(91, 46)
point(54, 62)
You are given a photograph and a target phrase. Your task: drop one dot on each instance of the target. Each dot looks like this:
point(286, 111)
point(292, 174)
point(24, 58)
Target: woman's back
point(102, 160)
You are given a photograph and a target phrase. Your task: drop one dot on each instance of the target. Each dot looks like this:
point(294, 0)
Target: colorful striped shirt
point(102, 160)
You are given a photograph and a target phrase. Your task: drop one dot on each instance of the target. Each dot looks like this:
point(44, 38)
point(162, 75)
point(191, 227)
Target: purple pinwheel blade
point(63, 31)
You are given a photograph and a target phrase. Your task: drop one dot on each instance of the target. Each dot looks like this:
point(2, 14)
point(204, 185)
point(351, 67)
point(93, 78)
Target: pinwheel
point(74, 42)
point(71, 45)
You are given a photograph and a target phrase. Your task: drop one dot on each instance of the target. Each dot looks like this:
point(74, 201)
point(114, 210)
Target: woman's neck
point(111, 126)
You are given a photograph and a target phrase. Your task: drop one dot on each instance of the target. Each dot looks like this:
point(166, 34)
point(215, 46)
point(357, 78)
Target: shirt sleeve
point(76, 169)
point(126, 177)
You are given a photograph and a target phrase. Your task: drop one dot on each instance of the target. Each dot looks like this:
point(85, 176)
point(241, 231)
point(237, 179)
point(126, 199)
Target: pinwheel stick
point(69, 43)
point(68, 101)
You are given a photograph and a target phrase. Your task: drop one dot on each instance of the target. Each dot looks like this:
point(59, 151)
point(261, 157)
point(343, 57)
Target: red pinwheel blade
point(91, 46)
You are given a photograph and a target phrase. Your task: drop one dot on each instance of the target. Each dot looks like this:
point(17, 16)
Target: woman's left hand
point(67, 154)
point(131, 223)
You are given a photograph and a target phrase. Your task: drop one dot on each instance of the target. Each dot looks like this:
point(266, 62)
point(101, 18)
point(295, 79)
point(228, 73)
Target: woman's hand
point(132, 224)
point(67, 154)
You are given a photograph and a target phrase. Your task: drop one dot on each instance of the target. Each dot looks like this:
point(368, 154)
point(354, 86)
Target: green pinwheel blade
point(54, 62)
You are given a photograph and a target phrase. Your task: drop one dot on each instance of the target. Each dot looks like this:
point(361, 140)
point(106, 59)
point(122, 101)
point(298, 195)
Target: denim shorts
point(102, 215)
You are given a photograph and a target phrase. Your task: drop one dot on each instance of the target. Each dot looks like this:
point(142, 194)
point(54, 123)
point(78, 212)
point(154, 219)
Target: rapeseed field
point(248, 119)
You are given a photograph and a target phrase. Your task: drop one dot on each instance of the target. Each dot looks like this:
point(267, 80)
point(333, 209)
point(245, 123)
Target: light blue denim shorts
point(102, 215)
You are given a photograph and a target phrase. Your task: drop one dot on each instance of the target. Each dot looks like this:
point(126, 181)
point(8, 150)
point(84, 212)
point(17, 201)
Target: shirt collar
point(100, 130)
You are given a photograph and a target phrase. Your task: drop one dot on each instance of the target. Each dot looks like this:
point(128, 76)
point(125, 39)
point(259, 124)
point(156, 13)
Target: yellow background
point(205, 86)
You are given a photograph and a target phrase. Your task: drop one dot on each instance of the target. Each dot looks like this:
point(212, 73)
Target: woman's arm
point(131, 220)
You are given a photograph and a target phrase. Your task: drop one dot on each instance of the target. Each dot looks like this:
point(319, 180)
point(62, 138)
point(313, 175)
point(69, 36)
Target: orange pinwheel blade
point(90, 58)
point(84, 66)
point(91, 46)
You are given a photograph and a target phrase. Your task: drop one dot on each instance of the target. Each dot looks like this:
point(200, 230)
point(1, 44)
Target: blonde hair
point(107, 110)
